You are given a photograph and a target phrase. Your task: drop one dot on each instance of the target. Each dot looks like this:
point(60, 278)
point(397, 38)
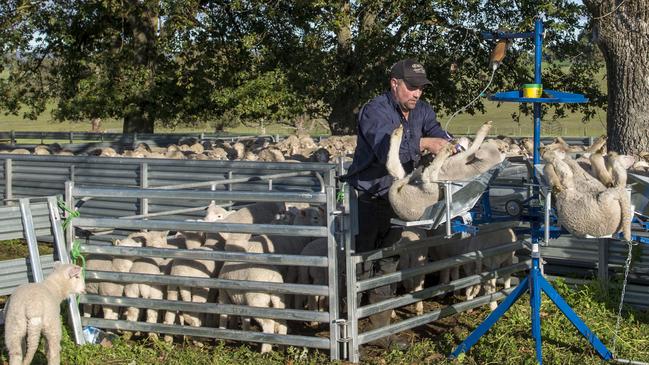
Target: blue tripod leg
point(491, 319)
point(535, 304)
point(601, 349)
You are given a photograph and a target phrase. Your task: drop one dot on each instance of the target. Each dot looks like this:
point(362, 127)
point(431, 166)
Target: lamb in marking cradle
point(585, 207)
point(34, 308)
point(410, 195)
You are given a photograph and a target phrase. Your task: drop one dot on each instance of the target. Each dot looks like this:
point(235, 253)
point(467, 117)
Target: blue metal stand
point(534, 282)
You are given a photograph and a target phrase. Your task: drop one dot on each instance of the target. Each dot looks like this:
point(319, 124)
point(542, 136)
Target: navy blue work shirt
point(376, 122)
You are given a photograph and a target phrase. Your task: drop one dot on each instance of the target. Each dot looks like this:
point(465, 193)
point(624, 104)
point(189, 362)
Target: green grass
point(13, 249)
point(462, 123)
point(508, 342)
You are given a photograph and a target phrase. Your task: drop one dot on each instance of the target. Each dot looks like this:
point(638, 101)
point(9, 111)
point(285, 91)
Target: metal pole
point(9, 182)
point(144, 183)
point(332, 255)
point(59, 243)
point(447, 198)
point(30, 237)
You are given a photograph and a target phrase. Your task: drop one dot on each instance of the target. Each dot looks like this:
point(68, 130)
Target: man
point(401, 105)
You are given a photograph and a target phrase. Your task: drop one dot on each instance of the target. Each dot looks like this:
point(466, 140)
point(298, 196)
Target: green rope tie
point(340, 196)
point(75, 256)
point(71, 214)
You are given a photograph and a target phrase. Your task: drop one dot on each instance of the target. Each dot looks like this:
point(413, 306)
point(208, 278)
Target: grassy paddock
point(500, 114)
point(508, 342)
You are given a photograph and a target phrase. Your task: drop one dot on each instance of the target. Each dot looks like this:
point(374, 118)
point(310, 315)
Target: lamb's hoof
point(198, 344)
point(153, 336)
point(393, 315)
point(493, 306)
point(266, 348)
point(169, 339)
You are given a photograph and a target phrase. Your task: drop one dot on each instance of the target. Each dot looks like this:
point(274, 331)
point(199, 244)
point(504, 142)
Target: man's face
point(405, 95)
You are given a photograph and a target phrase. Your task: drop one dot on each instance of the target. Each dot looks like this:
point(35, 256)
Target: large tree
point(176, 61)
point(621, 29)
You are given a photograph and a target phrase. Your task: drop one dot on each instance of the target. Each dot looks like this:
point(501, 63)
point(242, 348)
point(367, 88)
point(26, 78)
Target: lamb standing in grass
point(34, 308)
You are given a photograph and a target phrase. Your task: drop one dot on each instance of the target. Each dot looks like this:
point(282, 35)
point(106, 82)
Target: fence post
point(13, 137)
point(602, 263)
point(8, 182)
point(71, 137)
point(144, 183)
point(69, 202)
point(30, 237)
point(332, 275)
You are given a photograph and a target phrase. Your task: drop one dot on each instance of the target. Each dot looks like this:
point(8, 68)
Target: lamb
point(34, 308)
point(413, 258)
point(119, 264)
point(95, 263)
point(264, 212)
point(486, 241)
point(157, 239)
point(588, 210)
point(252, 272)
point(411, 195)
point(189, 268)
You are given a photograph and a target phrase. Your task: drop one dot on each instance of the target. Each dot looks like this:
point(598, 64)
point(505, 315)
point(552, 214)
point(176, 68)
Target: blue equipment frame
point(534, 282)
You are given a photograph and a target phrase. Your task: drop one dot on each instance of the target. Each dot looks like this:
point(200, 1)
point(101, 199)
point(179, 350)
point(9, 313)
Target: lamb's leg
point(155, 292)
point(598, 165)
point(53, 337)
point(479, 138)
point(431, 173)
point(132, 291)
point(393, 163)
point(34, 327)
point(223, 318)
point(170, 315)
point(14, 342)
point(267, 326)
point(553, 178)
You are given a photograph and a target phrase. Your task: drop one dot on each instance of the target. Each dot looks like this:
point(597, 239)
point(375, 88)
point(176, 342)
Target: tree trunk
point(622, 33)
point(143, 20)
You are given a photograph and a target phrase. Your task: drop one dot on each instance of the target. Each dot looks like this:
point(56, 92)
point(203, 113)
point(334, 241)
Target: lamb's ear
point(73, 272)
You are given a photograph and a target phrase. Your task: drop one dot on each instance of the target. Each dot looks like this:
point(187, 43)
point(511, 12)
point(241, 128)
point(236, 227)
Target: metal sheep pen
point(330, 262)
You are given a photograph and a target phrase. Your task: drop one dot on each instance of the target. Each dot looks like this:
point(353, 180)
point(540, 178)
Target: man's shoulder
point(380, 102)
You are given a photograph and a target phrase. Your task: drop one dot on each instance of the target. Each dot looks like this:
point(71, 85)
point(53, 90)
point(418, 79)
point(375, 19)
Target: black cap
point(410, 71)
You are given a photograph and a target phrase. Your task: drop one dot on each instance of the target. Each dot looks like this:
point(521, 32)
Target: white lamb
point(147, 265)
point(412, 258)
point(95, 263)
point(252, 272)
point(195, 269)
point(119, 264)
point(34, 308)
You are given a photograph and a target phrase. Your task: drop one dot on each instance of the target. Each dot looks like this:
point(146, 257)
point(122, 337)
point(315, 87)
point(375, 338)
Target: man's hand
point(432, 144)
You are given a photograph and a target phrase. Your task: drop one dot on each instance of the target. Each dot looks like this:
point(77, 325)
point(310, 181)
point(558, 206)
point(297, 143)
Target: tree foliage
point(251, 61)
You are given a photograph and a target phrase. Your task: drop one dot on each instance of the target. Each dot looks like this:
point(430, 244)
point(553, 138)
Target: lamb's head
point(70, 277)
point(193, 239)
point(311, 216)
point(550, 153)
point(153, 238)
point(215, 213)
point(135, 241)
